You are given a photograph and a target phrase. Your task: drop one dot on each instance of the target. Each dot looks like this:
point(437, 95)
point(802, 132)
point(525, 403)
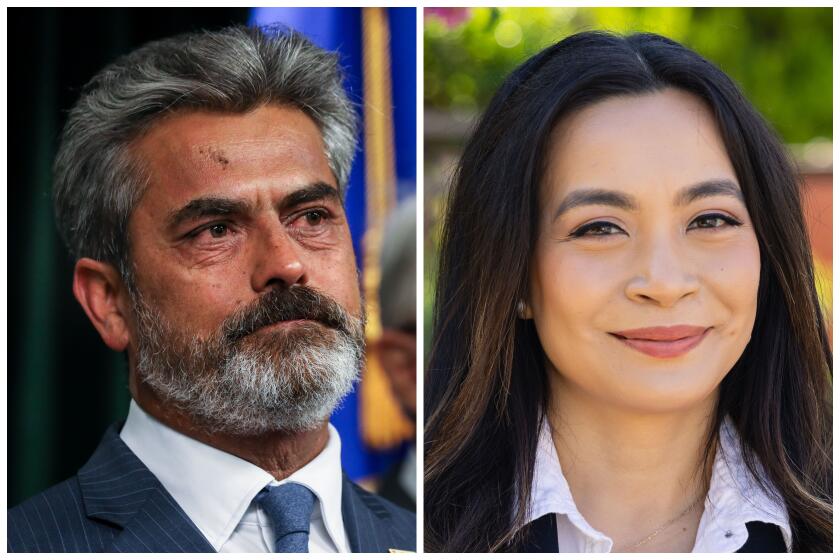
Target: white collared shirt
point(216, 489)
point(734, 499)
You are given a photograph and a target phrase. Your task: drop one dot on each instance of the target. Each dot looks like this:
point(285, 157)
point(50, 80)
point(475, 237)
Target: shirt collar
point(550, 492)
point(734, 497)
point(215, 488)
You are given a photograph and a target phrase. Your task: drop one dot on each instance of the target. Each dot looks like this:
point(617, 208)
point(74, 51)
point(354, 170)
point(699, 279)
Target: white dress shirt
point(216, 489)
point(734, 498)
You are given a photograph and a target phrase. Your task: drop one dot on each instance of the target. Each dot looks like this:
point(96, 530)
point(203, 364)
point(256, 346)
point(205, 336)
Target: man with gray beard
point(238, 383)
point(199, 184)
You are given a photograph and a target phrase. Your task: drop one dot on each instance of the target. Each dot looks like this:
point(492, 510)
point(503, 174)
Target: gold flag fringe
point(382, 422)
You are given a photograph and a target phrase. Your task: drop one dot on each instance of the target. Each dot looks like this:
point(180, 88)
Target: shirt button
point(727, 534)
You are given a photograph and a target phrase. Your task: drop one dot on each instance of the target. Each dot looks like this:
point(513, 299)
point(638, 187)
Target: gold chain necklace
point(661, 528)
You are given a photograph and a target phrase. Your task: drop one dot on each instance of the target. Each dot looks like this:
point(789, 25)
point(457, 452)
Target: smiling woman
point(644, 366)
point(661, 255)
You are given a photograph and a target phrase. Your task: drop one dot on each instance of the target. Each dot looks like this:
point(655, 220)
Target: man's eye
point(597, 229)
point(314, 217)
point(215, 231)
point(218, 230)
point(713, 221)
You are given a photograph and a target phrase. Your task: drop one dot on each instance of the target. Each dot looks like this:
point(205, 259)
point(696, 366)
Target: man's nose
point(277, 259)
point(664, 274)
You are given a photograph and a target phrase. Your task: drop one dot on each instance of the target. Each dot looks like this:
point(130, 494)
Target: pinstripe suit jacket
point(115, 504)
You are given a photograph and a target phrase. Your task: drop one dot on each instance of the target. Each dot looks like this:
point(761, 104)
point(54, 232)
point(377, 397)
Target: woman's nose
point(663, 275)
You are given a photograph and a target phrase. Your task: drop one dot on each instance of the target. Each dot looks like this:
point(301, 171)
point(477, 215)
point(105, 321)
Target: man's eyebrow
point(604, 197)
point(310, 193)
point(220, 206)
point(714, 187)
point(207, 206)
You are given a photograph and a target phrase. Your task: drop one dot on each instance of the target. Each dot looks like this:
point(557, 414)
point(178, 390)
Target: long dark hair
point(486, 383)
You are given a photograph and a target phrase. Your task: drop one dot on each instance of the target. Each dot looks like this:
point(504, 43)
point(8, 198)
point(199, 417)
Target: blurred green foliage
point(781, 57)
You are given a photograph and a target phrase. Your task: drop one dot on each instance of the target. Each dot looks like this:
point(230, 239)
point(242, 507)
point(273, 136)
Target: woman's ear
point(101, 292)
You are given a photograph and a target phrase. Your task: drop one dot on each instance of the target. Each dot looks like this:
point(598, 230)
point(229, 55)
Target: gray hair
point(97, 182)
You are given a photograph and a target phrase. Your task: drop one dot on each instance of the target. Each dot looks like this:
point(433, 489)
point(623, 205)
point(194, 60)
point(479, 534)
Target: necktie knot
point(289, 506)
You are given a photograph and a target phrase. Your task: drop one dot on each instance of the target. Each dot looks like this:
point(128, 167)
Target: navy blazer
point(541, 536)
point(115, 504)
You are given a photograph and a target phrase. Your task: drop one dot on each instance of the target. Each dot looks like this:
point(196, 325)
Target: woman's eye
point(713, 221)
point(597, 229)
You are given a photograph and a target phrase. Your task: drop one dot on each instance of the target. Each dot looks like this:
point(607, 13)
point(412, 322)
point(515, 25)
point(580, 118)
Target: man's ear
point(100, 290)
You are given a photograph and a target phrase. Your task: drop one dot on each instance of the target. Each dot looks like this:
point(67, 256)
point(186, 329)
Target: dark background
point(58, 367)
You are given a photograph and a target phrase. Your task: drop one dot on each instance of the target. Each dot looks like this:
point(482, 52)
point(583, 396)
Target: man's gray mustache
point(288, 304)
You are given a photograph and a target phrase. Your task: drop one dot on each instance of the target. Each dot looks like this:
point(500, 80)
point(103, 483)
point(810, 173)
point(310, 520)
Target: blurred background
point(780, 57)
point(64, 386)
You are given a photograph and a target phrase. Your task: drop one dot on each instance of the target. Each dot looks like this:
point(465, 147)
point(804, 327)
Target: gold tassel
point(382, 422)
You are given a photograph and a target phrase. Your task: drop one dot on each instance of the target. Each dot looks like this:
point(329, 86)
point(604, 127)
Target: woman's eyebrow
point(624, 201)
point(602, 197)
point(713, 187)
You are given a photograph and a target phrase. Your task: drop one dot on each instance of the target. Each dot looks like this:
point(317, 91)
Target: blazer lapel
point(365, 520)
point(763, 537)
point(118, 488)
point(540, 535)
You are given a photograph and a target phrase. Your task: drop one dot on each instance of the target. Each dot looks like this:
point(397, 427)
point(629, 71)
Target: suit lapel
point(118, 488)
point(365, 520)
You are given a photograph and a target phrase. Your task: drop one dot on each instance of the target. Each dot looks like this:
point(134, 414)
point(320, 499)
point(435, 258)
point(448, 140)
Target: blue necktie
point(289, 506)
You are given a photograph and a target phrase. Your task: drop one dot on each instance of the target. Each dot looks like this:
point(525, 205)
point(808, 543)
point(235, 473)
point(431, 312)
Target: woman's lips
point(663, 342)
